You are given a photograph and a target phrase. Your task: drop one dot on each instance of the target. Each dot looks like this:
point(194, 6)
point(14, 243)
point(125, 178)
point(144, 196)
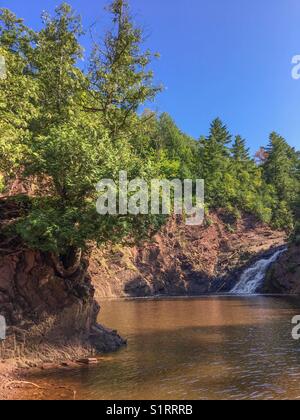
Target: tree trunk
point(68, 264)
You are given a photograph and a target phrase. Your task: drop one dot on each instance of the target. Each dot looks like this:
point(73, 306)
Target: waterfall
point(254, 276)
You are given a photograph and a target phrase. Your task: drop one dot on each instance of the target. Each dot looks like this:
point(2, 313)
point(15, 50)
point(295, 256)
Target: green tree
point(67, 130)
point(68, 150)
point(61, 83)
point(280, 171)
point(239, 150)
point(119, 77)
point(178, 146)
point(214, 164)
point(18, 92)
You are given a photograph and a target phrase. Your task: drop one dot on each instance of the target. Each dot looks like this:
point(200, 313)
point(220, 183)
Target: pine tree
point(55, 59)
point(15, 36)
point(280, 166)
point(18, 91)
point(296, 205)
point(68, 149)
point(219, 136)
point(71, 129)
point(240, 152)
point(279, 170)
point(214, 162)
point(119, 77)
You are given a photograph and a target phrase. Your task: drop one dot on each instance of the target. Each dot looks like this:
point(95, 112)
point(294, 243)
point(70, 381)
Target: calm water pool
point(206, 348)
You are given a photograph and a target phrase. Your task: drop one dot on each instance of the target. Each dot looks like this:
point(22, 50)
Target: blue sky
point(218, 58)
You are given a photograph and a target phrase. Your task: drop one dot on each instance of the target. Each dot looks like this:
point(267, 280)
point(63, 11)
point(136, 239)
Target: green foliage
point(281, 171)
point(49, 131)
point(119, 77)
point(295, 237)
point(2, 184)
point(214, 163)
point(67, 129)
point(18, 92)
point(60, 82)
point(240, 153)
point(178, 146)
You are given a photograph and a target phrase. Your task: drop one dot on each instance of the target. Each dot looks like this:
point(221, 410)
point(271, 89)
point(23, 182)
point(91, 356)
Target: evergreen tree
point(48, 130)
point(67, 149)
point(296, 204)
point(247, 177)
point(219, 136)
point(280, 167)
point(56, 55)
point(240, 152)
point(179, 146)
point(18, 92)
point(119, 77)
point(214, 163)
point(15, 36)
point(279, 170)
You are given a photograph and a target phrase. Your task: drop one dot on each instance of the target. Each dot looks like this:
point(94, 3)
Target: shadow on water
point(211, 348)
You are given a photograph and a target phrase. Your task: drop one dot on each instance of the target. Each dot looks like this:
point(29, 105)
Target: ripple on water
point(210, 348)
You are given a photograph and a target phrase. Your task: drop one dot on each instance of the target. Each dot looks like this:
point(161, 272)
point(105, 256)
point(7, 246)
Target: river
point(225, 347)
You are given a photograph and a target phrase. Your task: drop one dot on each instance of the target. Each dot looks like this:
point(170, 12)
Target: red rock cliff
point(49, 315)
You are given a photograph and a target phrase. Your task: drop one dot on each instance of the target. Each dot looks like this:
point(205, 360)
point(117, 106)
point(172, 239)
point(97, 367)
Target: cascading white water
point(253, 277)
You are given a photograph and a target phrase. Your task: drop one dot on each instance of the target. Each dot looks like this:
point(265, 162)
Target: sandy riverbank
point(9, 376)
point(16, 382)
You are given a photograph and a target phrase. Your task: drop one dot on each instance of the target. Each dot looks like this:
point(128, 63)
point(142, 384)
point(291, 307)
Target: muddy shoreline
point(9, 374)
point(16, 379)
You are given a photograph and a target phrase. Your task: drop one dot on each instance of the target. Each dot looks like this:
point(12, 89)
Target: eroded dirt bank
point(49, 317)
point(183, 260)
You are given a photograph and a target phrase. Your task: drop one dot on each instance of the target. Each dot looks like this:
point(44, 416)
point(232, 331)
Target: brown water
point(207, 348)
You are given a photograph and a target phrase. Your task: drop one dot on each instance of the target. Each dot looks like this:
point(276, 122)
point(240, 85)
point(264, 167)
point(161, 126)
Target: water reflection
point(210, 348)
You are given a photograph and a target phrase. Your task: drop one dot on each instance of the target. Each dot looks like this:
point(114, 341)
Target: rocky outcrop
point(284, 276)
point(48, 315)
point(51, 309)
point(183, 260)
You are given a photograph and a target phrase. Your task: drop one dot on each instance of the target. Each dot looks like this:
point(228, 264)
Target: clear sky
point(227, 58)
